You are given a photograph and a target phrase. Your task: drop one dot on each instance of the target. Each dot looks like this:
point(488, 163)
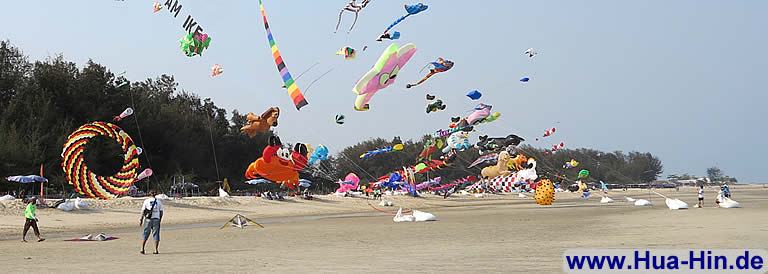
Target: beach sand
point(498, 233)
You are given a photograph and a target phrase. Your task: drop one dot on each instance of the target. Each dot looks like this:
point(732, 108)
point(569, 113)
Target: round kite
point(85, 181)
point(545, 192)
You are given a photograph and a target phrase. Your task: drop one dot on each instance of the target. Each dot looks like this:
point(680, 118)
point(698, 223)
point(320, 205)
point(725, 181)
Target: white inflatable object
point(399, 217)
point(606, 200)
point(66, 206)
point(7, 198)
point(642, 202)
point(726, 202)
point(630, 199)
point(422, 216)
point(161, 197)
point(223, 193)
point(79, 204)
point(675, 204)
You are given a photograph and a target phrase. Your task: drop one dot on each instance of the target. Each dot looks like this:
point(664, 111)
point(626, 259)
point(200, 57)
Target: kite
point(557, 147)
point(480, 112)
point(340, 119)
point(430, 146)
point(484, 159)
point(320, 154)
point(350, 183)
point(583, 174)
point(571, 164)
point(531, 52)
point(436, 106)
point(397, 147)
point(260, 124)
point(349, 53)
point(391, 36)
point(549, 132)
point(474, 95)
point(216, 70)
point(157, 7)
point(458, 141)
point(441, 65)
point(85, 181)
point(525, 79)
point(430, 97)
point(194, 44)
point(500, 169)
point(545, 192)
point(382, 74)
point(290, 84)
point(278, 164)
point(493, 117)
point(353, 7)
point(411, 10)
point(127, 112)
point(497, 144)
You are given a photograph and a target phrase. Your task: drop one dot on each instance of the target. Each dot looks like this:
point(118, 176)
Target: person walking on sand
point(151, 216)
point(30, 214)
point(701, 197)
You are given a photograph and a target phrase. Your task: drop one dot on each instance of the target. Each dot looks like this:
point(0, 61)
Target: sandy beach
point(498, 233)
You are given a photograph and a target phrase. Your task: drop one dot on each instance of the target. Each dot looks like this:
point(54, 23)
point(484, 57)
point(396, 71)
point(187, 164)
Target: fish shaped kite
point(382, 74)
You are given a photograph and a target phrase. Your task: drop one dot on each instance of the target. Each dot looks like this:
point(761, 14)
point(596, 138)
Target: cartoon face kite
point(382, 74)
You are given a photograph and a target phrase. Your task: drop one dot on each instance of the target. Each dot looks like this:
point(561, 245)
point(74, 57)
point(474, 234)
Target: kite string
point(141, 139)
point(213, 147)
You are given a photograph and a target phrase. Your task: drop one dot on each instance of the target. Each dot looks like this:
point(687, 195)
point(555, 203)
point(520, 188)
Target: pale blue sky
point(684, 80)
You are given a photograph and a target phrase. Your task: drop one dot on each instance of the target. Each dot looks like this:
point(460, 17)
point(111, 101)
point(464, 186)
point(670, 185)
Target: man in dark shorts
point(151, 215)
point(30, 215)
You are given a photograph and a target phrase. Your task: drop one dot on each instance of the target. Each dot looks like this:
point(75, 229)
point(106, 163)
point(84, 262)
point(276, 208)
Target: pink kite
point(382, 74)
point(350, 183)
point(480, 112)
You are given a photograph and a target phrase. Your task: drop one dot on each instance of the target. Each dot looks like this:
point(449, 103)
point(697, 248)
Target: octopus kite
point(353, 7)
point(441, 65)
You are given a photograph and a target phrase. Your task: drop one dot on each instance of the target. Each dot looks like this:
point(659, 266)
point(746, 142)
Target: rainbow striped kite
point(290, 84)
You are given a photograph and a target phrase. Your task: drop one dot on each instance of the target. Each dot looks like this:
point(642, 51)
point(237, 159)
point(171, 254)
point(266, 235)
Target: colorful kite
point(545, 192)
point(85, 181)
point(436, 105)
point(353, 7)
point(480, 112)
point(194, 44)
point(157, 7)
point(474, 95)
point(571, 164)
point(382, 74)
point(391, 36)
point(320, 154)
point(260, 124)
point(348, 52)
point(411, 10)
point(583, 174)
point(441, 65)
point(127, 112)
point(278, 164)
point(397, 147)
point(290, 84)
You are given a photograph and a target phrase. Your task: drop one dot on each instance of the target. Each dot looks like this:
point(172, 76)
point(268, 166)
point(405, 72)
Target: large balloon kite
point(411, 10)
point(583, 174)
point(85, 181)
point(441, 65)
point(278, 164)
point(397, 147)
point(320, 154)
point(382, 74)
point(260, 124)
point(545, 192)
point(288, 81)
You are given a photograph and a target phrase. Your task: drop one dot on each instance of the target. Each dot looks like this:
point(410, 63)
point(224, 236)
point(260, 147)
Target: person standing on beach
point(151, 215)
point(30, 214)
point(701, 196)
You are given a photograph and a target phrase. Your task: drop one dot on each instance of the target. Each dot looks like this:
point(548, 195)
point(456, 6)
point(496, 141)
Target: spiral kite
point(85, 181)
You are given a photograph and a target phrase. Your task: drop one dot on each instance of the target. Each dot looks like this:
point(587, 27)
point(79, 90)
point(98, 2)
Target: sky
point(684, 80)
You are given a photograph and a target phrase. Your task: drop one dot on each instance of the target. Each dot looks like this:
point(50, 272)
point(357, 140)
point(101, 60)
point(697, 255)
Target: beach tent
point(240, 221)
point(27, 179)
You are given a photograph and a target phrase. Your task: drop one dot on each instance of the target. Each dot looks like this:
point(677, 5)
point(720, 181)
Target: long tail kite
point(290, 84)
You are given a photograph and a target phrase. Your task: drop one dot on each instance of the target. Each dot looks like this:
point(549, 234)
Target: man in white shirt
point(701, 196)
point(152, 214)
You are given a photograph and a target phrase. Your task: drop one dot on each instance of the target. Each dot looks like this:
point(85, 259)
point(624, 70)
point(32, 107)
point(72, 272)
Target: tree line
point(43, 101)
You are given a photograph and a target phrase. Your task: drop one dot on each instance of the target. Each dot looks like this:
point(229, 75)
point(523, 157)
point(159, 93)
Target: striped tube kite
point(382, 74)
point(290, 83)
point(87, 182)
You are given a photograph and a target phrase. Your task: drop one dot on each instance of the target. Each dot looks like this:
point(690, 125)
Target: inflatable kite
point(493, 117)
point(157, 7)
point(216, 70)
point(545, 192)
point(480, 112)
point(127, 112)
point(531, 52)
point(583, 174)
point(320, 154)
point(397, 147)
point(430, 147)
point(571, 164)
point(497, 144)
point(382, 74)
point(288, 81)
point(441, 65)
point(352, 7)
point(391, 36)
point(347, 52)
point(458, 141)
point(194, 44)
point(474, 95)
point(436, 106)
point(278, 164)
point(85, 181)
point(350, 183)
point(260, 124)
point(549, 132)
point(411, 10)
point(340, 119)
point(557, 147)
point(525, 79)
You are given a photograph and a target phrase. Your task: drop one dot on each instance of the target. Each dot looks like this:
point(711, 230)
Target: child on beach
point(701, 197)
point(30, 214)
